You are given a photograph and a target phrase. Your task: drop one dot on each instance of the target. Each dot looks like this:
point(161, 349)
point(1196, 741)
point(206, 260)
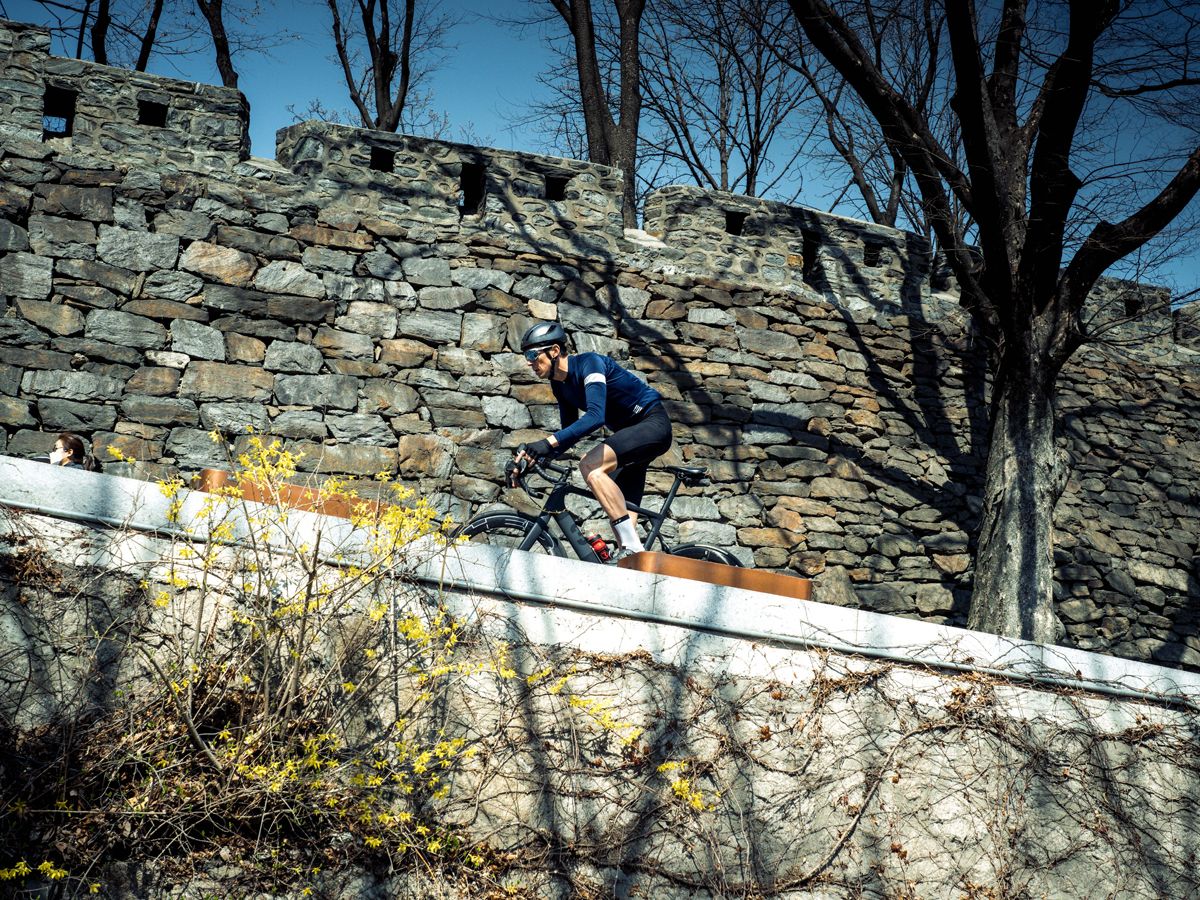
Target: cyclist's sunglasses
point(531, 355)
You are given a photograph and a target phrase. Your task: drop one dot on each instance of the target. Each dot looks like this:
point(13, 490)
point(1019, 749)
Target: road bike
point(507, 527)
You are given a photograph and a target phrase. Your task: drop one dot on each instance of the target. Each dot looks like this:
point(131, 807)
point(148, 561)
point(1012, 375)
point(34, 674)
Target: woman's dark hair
point(73, 444)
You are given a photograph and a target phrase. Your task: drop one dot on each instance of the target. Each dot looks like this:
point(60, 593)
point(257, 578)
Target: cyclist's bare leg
point(597, 467)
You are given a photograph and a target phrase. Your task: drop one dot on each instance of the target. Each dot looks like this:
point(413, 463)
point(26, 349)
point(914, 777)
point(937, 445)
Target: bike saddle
point(689, 474)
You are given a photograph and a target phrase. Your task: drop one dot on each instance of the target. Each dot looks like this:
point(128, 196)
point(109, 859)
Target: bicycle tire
point(706, 553)
point(507, 528)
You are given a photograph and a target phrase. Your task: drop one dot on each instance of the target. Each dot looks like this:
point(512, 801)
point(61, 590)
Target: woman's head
point(68, 449)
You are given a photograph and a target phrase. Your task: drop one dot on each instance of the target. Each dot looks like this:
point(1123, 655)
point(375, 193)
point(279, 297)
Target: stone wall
point(370, 324)
point(79, 107)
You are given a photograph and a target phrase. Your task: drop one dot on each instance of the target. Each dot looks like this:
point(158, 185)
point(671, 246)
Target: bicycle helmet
point(543, 334)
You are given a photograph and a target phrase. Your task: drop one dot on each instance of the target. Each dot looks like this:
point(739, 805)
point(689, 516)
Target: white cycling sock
point(626, 534)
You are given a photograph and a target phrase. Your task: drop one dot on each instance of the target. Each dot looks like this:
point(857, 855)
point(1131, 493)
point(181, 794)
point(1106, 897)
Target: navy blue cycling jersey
point(609, 395)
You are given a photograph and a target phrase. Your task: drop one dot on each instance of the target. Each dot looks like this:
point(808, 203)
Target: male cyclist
point(615, 470)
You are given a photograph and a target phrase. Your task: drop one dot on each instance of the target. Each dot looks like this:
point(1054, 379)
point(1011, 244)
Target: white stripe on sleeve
point(593, 378)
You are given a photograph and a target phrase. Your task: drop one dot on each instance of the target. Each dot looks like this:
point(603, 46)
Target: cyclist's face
point(543, 361)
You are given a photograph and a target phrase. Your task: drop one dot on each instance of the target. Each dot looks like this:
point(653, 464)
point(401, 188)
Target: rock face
point(362, 297)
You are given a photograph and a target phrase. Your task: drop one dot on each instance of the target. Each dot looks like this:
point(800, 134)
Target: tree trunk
point(1014, 564)
point(213, 14)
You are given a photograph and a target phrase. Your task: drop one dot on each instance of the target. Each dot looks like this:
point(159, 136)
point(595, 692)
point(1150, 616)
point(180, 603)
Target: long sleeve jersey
point(608, 395)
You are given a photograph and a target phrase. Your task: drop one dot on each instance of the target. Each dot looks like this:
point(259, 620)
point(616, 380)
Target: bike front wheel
point(706, 553)
point(508, 528)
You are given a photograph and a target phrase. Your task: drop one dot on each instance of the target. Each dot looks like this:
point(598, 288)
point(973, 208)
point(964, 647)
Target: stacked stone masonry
point(361, 298)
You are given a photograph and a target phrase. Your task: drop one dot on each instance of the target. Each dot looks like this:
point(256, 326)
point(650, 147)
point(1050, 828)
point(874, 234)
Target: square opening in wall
point(383, 160)
point(472, 187)
point(872, 255)
point(556, 187)
point(1133, 305)
point(58, 112)
point(152, 114)
point(735, 222)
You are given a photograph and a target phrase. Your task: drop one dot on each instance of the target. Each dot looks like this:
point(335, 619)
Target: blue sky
point(485, 87)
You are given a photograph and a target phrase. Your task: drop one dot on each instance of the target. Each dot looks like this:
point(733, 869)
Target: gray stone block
point(426, 271)
point(287, 277)
point(151, 410)
point(140, 251)
point(234, 418)
point(435, 327)
point(196, 340)
point(361, 428)
point(71, 415)
point(26, 275)
point(173, 285)
point(215, 381)
point(125, 329)
point(445, 297)
point(321, 391)
point(375, 319)
point(12, 237)
point(303, 424)
point(71, 385)
point(290, 356)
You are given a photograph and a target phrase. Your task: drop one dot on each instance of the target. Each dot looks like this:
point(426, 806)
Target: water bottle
point(600, 546)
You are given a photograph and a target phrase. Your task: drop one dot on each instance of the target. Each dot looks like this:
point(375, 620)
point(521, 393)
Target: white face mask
point(57, 456)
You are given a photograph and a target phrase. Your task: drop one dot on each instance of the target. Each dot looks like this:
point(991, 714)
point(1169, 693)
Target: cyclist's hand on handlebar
point(539, 449)
point(513, 471)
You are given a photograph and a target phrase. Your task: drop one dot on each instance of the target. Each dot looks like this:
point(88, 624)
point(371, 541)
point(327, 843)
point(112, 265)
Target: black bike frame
point(555, 508)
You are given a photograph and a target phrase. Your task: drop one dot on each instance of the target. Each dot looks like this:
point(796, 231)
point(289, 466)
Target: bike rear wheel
point(706, 553)
point(508, 528)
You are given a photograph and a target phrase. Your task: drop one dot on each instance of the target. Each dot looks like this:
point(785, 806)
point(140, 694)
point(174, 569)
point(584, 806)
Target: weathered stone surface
point(223, 264)
point(425, 455)
point(322, 391)
point(94, 203)
point(290, 356)
point(12, 237)
point(125, 329)
point(197, 341)
point(205, 381)
point(389, 397)
point(152, 410)
point(286, 277)
point(299, 309)
point(56, 318)
point(360, 428)
point(343, 344)
point(270, 246)
point(116, 279)
point(52, 236)
point(374, 319)
point(243, 348)
point(195, 226)
point(435, 327)
point(71, 385)
point(477, 279)
point(25, 275)
point(350, 459)
point(192, 448)
point(426, 271)
point(234, 418)
point(18, 413)
point(506, 412)
point(173, 285)
point(445, 297)
point(333, 237)
point(302, 424)
point(71, 415)
point(140, 251)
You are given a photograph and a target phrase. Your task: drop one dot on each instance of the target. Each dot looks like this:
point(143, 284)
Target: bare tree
point(131, 33)
point(718, 99)
point(1032, 86)
point(611, 140)
point(386, 49)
